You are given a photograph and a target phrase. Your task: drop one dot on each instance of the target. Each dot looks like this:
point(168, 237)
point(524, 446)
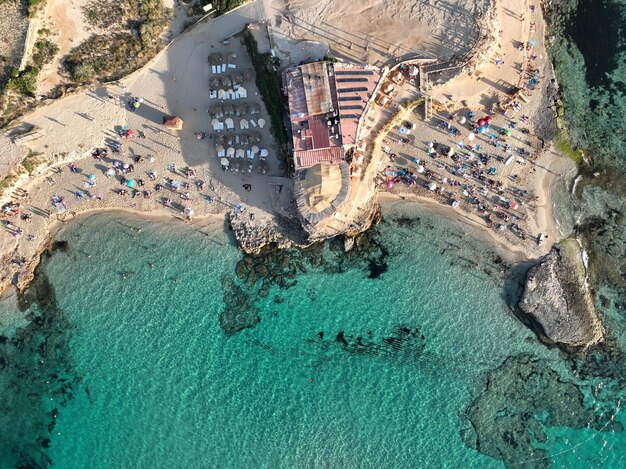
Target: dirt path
point(64, 19)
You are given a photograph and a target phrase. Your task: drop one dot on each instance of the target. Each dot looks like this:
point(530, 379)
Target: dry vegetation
point(18, 92)
point(126, 35)
point(129, 35)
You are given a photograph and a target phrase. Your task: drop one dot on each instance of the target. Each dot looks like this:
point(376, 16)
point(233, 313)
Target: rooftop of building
point(326, 102)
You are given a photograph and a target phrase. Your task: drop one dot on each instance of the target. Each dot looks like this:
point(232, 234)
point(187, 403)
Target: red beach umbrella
point(488, 119)
point(513, 205)
point(481, 122)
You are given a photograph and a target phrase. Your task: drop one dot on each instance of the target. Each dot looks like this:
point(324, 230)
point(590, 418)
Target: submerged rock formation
point(557, 301)
point(517, 403)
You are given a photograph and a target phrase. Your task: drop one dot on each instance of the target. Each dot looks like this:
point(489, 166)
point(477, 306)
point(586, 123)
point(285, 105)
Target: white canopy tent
point(217, 125)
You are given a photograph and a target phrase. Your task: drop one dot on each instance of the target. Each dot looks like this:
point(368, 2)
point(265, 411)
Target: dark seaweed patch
point(513, 406)
point(39, 373)
point(403, 345)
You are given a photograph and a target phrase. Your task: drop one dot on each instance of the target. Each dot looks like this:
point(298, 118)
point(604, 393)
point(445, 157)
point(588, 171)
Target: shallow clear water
point(155, 382)
point(590, 57)
point(122, 360)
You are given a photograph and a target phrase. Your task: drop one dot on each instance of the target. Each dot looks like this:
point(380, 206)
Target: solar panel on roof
point(348, 116)
point(345, 108)
point(354, 72)
point(352, 80)
point(349, 98)
point(351, 90)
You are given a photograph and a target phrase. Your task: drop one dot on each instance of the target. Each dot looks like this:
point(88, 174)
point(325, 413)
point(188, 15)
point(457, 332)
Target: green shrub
point(267, 82)
point(6, 182)
point(107, 57)
point(564, 146)
point(44, 52)
point(223, 6)
point(30, 162)
point(84, 73)
point(134, 37)
point(34, 5)
point(25, 82)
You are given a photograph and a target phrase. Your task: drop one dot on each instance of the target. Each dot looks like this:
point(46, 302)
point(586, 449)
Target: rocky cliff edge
point(557, 300)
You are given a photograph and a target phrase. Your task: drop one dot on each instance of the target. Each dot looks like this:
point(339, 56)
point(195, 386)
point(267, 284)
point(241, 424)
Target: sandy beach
point(185, 166)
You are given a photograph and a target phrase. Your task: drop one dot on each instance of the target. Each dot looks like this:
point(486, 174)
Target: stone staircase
point(428, 107)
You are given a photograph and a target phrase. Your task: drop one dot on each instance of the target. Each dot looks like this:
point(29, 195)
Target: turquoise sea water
point(131, 359)
point(120, 358)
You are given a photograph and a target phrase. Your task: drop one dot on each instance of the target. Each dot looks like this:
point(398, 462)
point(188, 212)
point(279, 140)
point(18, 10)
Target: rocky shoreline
point(557, 302)
point(278, 233)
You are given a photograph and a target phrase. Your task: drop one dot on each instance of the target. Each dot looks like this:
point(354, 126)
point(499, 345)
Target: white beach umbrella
point(224, 162)
point(420, 168)
point(254, 149)
point(240, 153)
point(230, 152)
point(264, 152)
point(462, 120)
point(471, 136)
point(261, 122)
point(432, 186)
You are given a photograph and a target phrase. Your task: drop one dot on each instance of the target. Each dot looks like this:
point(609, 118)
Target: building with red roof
point(326, 104)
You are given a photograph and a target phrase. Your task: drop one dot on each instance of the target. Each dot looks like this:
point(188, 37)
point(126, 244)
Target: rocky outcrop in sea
point(256, 236)
point(557, 301)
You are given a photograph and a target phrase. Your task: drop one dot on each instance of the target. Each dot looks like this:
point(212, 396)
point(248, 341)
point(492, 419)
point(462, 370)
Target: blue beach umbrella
point(130, 182)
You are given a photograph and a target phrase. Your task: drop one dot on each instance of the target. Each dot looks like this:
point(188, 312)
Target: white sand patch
point(65, 20)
